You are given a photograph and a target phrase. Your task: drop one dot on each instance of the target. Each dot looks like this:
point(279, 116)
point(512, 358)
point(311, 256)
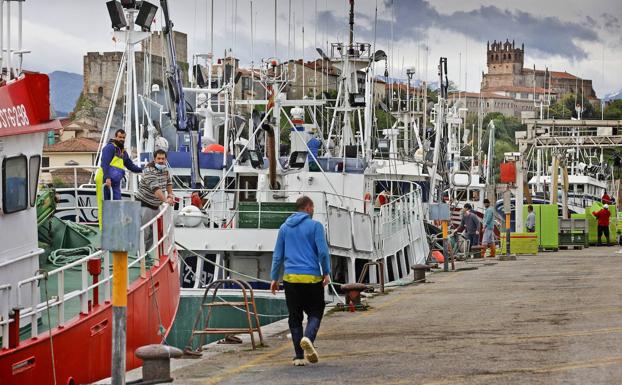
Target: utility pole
point(120, 234)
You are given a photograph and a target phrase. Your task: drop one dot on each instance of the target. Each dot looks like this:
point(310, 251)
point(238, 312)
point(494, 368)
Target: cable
point(47, 305)
point(332, 284)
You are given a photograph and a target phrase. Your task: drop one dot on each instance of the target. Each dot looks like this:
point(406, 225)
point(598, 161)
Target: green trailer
point(546, 225)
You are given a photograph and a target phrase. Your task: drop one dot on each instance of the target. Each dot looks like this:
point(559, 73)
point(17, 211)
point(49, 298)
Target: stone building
point(100, 72)
point(311, 78)
point(507, 76)
point(488, 102)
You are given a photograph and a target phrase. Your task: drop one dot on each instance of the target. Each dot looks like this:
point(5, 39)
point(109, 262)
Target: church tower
point(505, 58)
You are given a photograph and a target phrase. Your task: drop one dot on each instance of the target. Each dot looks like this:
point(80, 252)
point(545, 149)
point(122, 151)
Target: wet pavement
point(554, 318)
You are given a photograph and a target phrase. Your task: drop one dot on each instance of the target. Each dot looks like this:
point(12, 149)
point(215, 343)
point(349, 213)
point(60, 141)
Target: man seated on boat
point(114, 161)
point(470, 223)
point(155, 181)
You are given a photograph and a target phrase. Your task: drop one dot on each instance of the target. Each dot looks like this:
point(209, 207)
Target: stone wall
point(100, 72)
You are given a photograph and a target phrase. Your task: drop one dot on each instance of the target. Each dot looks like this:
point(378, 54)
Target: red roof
point(564, 75)
point(74, 145)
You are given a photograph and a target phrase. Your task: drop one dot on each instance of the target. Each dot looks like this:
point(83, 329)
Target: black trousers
point(603, 230)
point(304, 298)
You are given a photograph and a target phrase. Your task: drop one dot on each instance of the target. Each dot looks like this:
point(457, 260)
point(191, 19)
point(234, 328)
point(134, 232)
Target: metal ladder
point(217, 302)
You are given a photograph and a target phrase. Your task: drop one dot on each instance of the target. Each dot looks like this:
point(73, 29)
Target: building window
point(510, 56)
point(14, 184)
point(33, 177)
point(45, 161)
point(100, 91)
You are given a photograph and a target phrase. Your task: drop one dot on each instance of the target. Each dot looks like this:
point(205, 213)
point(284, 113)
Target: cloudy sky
point(578, 36)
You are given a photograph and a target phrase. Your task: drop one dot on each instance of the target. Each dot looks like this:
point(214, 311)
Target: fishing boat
point(45, 309)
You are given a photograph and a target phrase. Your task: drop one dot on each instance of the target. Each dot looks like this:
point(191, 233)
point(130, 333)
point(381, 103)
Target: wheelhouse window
point(461, 195)
point(474, 195)
point(33, 177)
point(14, 184)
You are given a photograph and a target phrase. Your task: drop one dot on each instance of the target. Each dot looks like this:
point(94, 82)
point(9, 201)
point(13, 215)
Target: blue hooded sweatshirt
point(301, 247)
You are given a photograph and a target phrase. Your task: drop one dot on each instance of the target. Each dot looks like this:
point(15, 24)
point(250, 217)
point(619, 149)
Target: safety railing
point(400, 212)
point(162, 228)
point(75, 189)
point(221, 213)
point(4, 314)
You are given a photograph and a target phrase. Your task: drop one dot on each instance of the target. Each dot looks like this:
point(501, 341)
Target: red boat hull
point(82, 348)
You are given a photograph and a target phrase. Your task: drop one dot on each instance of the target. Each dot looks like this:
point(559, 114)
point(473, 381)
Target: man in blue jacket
point(114, 161)
point(301, 247)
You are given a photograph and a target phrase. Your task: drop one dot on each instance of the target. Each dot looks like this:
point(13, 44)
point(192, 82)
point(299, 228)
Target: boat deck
point(554, 318)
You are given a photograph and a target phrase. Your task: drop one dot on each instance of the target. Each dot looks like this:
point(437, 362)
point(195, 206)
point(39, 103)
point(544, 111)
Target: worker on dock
point(603, 222)
point(530, 223)
point(155, 182)
point(114, 161)
point(488, 240)
point(470, 223)
point(301, 247)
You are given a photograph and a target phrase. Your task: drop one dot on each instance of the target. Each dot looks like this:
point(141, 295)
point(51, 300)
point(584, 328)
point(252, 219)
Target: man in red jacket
point(603, 222)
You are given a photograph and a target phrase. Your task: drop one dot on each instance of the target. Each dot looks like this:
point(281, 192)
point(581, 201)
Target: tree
point(613, 110)
point(384, 119)
point(564, 108)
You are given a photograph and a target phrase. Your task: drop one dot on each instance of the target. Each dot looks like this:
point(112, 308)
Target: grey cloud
point(611, 22)
point(545, 35)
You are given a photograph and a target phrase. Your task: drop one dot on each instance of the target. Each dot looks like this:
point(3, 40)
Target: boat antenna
point(351, 22)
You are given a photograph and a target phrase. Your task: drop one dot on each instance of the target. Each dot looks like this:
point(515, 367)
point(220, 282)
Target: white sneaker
point(299, 362)
point(310, 352)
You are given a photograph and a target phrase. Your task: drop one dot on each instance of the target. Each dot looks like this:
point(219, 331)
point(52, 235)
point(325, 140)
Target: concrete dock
point(553, 318)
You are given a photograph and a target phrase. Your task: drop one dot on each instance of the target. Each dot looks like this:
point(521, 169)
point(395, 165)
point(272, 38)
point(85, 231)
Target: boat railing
point(222, 212)
point(4, 314)
point(74, 186)
point(161, 227)
point(398, 213)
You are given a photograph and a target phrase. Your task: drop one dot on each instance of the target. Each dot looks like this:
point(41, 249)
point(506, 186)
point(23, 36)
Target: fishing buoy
point(438, 256)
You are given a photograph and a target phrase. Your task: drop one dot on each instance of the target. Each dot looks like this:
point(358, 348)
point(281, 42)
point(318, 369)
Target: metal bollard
point(419, 272)
point(156, 363)
point(353, 295)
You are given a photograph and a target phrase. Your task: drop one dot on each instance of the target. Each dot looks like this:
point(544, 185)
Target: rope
point(47, 305)
point(161, 328)
point(61, 257)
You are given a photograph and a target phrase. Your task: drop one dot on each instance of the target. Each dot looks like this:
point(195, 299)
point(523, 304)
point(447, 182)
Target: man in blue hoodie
point(114, 161)
point(301, 247)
